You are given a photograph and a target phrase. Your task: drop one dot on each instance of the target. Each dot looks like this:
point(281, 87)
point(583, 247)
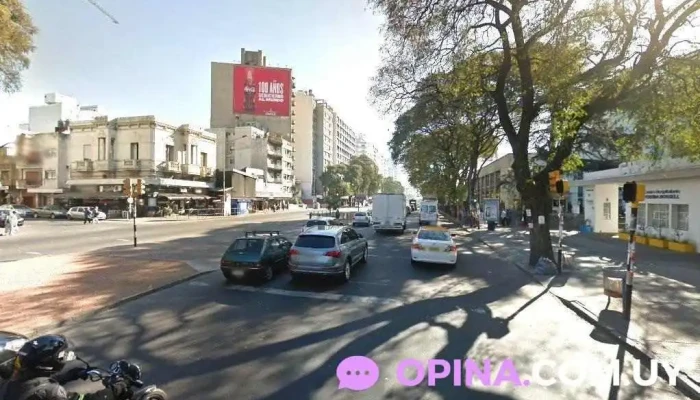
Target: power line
point(103, 11)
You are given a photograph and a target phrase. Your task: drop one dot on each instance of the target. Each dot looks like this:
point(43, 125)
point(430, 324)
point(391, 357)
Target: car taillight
point(334, 254)
point(293, 252)
point(417, 246)
point(451, 248)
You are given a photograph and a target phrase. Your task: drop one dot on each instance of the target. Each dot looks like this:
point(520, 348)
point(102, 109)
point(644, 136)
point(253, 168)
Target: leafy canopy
point(16, 44)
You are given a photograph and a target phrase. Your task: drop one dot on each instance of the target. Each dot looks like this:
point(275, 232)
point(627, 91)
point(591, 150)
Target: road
point(211, 340)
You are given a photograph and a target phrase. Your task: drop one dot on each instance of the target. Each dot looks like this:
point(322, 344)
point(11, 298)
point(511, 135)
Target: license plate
point(238, 273)
point(434, 249)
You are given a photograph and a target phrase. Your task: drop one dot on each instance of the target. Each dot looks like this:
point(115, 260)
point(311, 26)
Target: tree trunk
point(538, 200)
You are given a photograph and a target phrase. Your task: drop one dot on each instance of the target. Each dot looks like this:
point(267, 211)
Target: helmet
point(46, 354)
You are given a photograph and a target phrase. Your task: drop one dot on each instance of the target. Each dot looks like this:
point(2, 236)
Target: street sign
point(130, 200)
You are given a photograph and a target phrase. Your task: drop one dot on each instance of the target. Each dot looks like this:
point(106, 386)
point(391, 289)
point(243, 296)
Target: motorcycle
point(123, 371)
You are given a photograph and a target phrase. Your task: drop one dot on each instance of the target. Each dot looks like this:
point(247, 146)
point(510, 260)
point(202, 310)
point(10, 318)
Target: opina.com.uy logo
point(360, 373)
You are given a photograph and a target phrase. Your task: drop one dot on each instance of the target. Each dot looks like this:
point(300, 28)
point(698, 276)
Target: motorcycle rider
point(36, 374)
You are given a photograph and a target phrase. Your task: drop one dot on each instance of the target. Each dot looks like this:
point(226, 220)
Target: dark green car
point(259, 254)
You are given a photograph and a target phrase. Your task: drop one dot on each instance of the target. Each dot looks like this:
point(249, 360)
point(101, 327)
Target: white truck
point(389, 212)
point(428, 211)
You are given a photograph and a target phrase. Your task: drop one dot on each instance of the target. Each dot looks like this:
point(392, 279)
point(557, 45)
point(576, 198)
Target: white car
point(79, 213)
point(320, 221)
point(433, 245)
point(22, 210)
point(361, 218)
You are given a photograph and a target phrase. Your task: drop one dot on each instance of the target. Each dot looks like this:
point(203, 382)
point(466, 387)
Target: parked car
point(4, 213)
point(79, 213)
point(53, 211)
point(434, 245)
point(259, 253)
point(328, 251)
point(361, 218)
point(22, 210)
point(321, 221)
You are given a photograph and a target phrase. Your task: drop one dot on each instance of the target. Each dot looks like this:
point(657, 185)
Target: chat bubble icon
point(357, 373)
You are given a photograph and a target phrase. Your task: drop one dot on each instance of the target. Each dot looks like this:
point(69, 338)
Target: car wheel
point(36, 215)
point(347, 270)
point(414, 263)
point(53, 216)
point(229, 277)
point(68, 217)
point(365, 253)
point(268, 273)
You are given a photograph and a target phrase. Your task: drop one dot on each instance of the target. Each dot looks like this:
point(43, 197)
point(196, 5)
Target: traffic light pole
point(561, 234)
point(627, 298)
point(133, 191)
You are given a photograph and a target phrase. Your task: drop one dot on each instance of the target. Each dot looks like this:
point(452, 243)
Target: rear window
point(315, 242)
point(360, 214)
point(434, 235)
point(247, 245)
point(316, 222)
point(428, 209)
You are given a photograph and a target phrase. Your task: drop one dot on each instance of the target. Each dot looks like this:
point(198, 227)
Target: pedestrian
point(13, 223)
point(95, 214)
point(8, 223)
point(86, 215)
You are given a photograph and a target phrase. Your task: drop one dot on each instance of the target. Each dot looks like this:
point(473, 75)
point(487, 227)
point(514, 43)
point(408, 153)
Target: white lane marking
point(198, 283)
point(370, 283)
point(320, 296)
point(388, 256)
point(123, 240)
point(33, 253)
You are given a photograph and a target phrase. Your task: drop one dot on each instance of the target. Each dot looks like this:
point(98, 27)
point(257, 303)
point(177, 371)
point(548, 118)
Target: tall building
point(344, 142)
point(370, 150)
point(304, 167)
point(324, 132)
point(251, 93)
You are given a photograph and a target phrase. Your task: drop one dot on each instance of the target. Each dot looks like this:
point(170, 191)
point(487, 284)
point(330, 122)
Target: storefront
point(671, 209)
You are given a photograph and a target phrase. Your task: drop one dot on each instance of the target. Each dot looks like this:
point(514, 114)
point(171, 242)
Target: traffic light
point(562, 187)
point(554, 177)
point(633, 192)
point(140, 187)
point(126, 187)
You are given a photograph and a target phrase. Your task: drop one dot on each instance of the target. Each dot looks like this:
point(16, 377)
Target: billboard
point(261, 90)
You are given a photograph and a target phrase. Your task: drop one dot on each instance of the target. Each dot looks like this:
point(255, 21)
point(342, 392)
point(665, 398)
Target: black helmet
point(46, 354)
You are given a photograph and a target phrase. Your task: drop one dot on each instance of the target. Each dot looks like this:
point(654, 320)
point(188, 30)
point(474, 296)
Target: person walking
point(95, 214)
point(8, 223)
point(86, 215)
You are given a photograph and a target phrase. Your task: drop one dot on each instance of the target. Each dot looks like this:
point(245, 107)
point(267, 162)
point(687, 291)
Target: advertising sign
point(261, 90)
point(491, 209)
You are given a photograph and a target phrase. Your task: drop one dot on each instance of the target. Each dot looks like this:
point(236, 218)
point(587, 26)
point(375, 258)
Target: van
point(428, 212)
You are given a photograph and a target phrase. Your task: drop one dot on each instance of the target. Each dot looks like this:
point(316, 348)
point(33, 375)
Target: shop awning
point(84, 196)
point(184, 196)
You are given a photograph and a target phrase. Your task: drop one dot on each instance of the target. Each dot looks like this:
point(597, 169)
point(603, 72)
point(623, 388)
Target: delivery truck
point(389, 212)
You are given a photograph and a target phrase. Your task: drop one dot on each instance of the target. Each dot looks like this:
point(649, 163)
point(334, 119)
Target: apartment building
point(323, 141)
point(370, 150)
point(253, 147)
point(304, 165)
point(344, 142)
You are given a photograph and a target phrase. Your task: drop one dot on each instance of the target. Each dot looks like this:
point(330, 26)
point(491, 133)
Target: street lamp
point(226, 150)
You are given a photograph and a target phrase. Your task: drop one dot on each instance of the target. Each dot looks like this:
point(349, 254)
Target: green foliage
point(363, 176)
point(389, 185)
point(334, 185)
point(16, 44)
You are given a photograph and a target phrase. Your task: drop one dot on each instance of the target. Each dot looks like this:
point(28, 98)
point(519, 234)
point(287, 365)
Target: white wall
point(605, 194)
point(163, 137)
point(208, 147)
point(144, 136)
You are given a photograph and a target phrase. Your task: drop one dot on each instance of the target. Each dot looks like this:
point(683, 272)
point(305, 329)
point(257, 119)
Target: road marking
point(321, 296)
point(198, 283)
point(370, 283)
point(123, 240)
point(33, 253)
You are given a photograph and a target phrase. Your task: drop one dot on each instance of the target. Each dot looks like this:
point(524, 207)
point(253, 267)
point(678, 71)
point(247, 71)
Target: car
point(22, 210)
point(53, 211)
point(259, 254)
point(79, 213)
point(328, 251)
point(433, 245)
point(361, 218)
point(321, 221)
point(3, 215)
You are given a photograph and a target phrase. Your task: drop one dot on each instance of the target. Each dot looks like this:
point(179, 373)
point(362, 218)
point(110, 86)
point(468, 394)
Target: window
point(193, 154)
point(658, 215)
point(134, 151)
point(345, 237)
point(246, 246)
point(679, 217)
point(642, 215)
point(169, 152)
point(428, 209)
point(87, 152)
point(203, 159)
point(111, 148)
point(316, 222)
point(50, 174)
point(315, 242)
point(274, 244)
point(607, 211)
point(434, 235)
point(352, 234)
point(101, 148)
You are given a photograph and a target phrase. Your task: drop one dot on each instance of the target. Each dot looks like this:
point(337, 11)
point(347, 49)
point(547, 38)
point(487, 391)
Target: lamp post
point(226, 151)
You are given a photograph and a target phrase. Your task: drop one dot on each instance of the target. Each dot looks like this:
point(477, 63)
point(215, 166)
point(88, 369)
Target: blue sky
point(157, 60)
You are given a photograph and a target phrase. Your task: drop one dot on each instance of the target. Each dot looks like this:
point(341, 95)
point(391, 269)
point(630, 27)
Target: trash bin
point(614, 280)
point(492, 225)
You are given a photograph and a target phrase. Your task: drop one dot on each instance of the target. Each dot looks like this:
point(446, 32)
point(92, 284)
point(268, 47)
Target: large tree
point(391, 185)
point(16, 44)
point(550, 67)
point(363, 175)
point(335, 185)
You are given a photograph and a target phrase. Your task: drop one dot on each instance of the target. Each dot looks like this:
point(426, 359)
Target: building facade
point(369, 149)
point(323, 142)
point(304, 165)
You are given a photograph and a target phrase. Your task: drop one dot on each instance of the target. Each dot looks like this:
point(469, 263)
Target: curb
point(122, 301)
point(684, 383)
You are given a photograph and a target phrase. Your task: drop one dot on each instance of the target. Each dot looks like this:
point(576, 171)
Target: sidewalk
point(665, 321)
point(186, 218)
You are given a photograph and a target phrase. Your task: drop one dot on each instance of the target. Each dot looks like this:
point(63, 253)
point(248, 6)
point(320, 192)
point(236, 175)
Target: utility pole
point(632, 192)
point(559, 187)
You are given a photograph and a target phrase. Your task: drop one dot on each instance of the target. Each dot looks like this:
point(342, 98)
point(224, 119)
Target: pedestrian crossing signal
point(633, 192)
point(554, 177)
point(140, 187)
point(562, 187)
point(126, 187)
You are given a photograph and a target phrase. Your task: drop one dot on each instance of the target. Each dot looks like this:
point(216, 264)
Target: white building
point(672, 205)
point(370, 150)
point(304, 114)
point(251, 147)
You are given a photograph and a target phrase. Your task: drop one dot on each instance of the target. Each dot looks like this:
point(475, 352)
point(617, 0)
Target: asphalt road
point(210, 340)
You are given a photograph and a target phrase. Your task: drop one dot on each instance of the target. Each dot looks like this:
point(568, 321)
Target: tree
point(334, 184)
point(550, 67)
point(363, 175)
point(16, 44)
point(390, 185)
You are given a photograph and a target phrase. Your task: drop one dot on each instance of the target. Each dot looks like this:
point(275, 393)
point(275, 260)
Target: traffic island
point(41, 293)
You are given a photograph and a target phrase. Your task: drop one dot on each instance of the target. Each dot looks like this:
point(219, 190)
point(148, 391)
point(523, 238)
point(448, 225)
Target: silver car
point(328, 250)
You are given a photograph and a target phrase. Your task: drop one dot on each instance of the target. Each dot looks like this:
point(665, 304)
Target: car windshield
point(434, 235)
point(21, 207)
point(315, 242)
point(360, 214)
point(428, 209)
point(252, 246)
point(316, 222)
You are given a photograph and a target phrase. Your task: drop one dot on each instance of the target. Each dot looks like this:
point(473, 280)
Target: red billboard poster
point(261, 90)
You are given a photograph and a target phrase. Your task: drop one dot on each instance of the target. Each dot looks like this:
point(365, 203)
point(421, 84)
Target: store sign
point(663, 194)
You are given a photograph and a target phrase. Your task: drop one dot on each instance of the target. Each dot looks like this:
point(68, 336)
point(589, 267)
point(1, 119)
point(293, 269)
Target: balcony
point(274, 166)
point(274, 153)
point(275, 138)
point(104, 165)
point(136, 165)
point(191, 169)
point(27, 183)
point(171, 166)
point(206, 171)
point(83, 166)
